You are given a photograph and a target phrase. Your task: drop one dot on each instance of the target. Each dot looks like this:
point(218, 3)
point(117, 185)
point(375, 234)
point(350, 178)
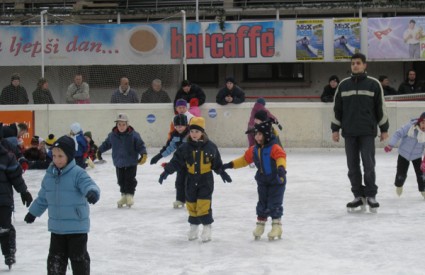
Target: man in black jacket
point(188, 91)
point(230, 93)
point(359, 109)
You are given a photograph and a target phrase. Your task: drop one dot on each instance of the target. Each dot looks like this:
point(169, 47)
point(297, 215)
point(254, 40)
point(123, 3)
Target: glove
point(279, 126)
point(92, 196)
point(24, 164)
point(281, 172)
point(156, 158)
point(26, 198)
point(225, 177)
point(423, 166)
point(29, 218)
point(143, 159)
point(98, 155)
point(388, 148)
point(227, 165)
point(162, 177)
point(164, 164)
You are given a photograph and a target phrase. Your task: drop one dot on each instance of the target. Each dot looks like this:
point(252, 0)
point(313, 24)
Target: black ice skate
point(373, 204)
point(9, 259)
point(356, 205)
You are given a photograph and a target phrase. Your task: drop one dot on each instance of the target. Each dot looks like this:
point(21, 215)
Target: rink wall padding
point(305, 125)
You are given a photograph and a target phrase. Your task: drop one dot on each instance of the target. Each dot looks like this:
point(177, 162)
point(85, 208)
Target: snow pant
point(7, 231)
point(80, 161)
point(364, 147)
point(127, 179)
point(403, 167)
point(270, 200)
point(199, 190)
point(68, 246)
point(181, 185)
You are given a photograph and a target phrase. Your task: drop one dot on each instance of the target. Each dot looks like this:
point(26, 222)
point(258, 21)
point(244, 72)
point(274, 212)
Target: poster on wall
point(346, 37)
point(27, 117)
point(396, 38)
point(309, 42)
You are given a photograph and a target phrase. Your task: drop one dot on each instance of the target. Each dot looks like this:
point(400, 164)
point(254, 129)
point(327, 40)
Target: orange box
point(27, 117)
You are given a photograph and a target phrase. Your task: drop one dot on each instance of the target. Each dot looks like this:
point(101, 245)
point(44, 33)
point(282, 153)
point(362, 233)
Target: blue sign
point(212, 113)
point(151, 118)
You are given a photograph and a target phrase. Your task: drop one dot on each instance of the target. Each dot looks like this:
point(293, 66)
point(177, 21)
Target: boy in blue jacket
point(128, 151)
point(65, 192)
point(82, 148)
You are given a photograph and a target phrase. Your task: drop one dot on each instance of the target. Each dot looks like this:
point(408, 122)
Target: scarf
point(420, 136)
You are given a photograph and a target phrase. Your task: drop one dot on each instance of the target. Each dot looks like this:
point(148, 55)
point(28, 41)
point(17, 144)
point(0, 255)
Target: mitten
point(227, 166)
point(225, 177)
point(29, 218)
point(164, 164)
point(162, 177)
point(24, 164)
point(279, 126)
point(156, 158)
point(143, 159)
point(281, 172)
point(92, 196)
point(388, 148)
point(26, 198)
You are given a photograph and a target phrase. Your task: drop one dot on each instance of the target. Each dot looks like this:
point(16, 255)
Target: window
point(275, 72)
point(203, 74)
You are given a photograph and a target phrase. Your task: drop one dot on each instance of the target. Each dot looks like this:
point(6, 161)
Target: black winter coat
point(195, 92)
point(236, 93)
point(328, 94)
point(13, 95)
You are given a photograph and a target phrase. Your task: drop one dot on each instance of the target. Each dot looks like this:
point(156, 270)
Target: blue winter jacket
point(126, 147)
point(82, 144)
point(63, 193)
point(409, 147)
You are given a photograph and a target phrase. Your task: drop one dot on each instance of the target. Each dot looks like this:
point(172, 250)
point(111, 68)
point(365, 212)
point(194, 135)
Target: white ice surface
point(319, 237)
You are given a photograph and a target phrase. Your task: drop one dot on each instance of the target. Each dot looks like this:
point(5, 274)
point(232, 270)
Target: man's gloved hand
point(155, 159)
point(162, 177)
point(26, 198)
point(225, 177)
point(143, 159)
point(388, 148)
point(29, 218)
point(228, 165)
point(92, 196)
point(281, 172)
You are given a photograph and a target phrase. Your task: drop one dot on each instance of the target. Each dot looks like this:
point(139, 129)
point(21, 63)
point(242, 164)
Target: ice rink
point(319, 236)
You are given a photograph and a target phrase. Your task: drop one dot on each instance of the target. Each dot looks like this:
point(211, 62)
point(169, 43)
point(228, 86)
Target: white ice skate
point(399, 190)
point(193, 232)
point(130, 200)
point(206, 233)
point(259, 230)
point(358, 205)
point(276, 232)
point(178, 204)
point(423, 194)
point(122, 201)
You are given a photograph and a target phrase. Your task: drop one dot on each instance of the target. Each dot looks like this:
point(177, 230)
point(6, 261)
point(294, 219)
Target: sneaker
point(193, 232)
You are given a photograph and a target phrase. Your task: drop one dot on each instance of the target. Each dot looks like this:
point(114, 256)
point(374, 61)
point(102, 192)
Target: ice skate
point(259, 230)
point(399, 190)
point(90, 163)
point(130, 200)
point(373, 204)
point(178, 204)
point(276, 231)
point(10, 259)
point(423, 194)
point(206, 233)
point(193, 232)
point(122, 201)
point(251, 165)
point(353, 206)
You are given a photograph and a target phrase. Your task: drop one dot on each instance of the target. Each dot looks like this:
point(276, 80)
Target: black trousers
point(127, 179)
point(180, 185)
point(64, 247)
point(361, 147)
point(7, 231)
point(403, 167)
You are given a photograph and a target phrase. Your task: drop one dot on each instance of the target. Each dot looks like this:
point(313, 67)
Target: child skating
point(270, 160)
point(199, 157)
point(411, 149)
point(128, 151)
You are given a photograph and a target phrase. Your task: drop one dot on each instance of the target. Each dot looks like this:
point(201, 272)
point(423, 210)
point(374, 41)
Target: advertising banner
point(27, 117)
point(346, 37)
point(309, 42)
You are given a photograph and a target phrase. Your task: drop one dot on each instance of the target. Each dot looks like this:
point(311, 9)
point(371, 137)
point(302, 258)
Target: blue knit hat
point(181, 102)
point(261, 101)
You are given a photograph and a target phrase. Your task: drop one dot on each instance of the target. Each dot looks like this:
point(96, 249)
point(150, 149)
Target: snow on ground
point(319, 237)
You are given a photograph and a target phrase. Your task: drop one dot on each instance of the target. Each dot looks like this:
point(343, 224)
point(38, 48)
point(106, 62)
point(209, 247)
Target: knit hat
point(194, 102)
point(67, 145)
point(261, 115)
point(35, 140)
point(197, 123)
point(333, 77)
point(186, 83)
point(75, 128)
point(180, 120)
point(266, 129)
point(88, 134)
point(122, 117)
point(181, 102)
point(261, 101)
point(421, 118)
point(230, 79)
point(15, 76)
point(50, 140)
